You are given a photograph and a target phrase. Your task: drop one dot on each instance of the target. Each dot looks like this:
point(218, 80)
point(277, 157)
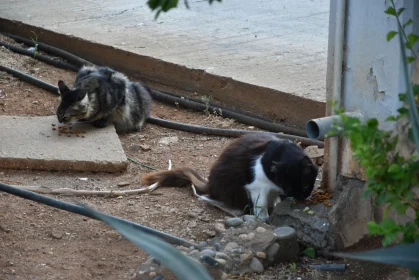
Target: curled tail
point(179, 177)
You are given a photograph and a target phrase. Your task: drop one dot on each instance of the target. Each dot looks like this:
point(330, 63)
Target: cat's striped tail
point(179, 177)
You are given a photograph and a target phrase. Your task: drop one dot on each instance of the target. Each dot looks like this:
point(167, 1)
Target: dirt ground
point(40, 242)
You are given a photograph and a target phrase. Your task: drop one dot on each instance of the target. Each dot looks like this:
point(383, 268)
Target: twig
point(142, 164)
point(209, 201)
point(71, 192)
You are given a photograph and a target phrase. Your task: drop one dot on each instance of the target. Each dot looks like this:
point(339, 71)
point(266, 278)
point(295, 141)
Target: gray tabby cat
point(101, 95)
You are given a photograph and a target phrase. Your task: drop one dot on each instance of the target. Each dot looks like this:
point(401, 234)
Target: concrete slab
point(30, 143)
point(274, 44)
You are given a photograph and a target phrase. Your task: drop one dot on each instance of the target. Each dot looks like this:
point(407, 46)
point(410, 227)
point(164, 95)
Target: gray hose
point(227, 114)
point(71, 58)
point(30, 79)
point(40, 57)
point(228, 132)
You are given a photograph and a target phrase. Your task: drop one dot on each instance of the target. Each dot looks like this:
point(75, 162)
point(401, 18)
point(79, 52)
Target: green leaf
point(390, 11)
point(412, 38)
point(409, 22)
point(391, 35)
point(391, 119)
point(181, 265)
point(310, 252)
point(389, 239)
point(400, 11)
point(393, 168)
point(374, 228)
point(372, 123)
point(402, 96)
point(404, 255)
point(403, 111)
point(410, 59)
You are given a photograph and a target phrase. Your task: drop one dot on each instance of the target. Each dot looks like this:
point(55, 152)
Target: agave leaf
point(404, 255)
point(413, 112)
point(180, 264)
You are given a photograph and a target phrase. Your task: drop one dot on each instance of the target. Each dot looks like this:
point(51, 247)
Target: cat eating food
point(247, 173)
point(101, 95)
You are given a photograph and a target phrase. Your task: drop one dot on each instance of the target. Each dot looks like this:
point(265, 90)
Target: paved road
point(279, 44)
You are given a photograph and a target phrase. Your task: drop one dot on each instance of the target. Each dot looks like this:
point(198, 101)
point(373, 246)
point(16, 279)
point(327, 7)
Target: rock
point(194, 254)
point(168, 140)
point(249, 218)
point(220, 255)
point(224, 276)
point(272, 251)
point(218, 227)
point(145, 147)
point(306, 209)
point(261, 255)
point(312, 230)
point(208, 252)
point(202, 244)
point(210, 233)
point(246, 258)
point(233, 222)
point(230, 246)
point(260, 229)
point(252, 224)
point(193, 224)
point(56, 235)
point(288, 244)
point(311, 212)
point(242, 236)
point(123, 184)
point(256, 265)
point(222, 262)
point(250, 236)
point(210, 261)
point(285, 233)
point(152, 274)
point(192, 215)
point(217, 246)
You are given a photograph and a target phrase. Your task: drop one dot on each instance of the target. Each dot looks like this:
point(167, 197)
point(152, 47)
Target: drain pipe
point(326, 127)
point(337, 87)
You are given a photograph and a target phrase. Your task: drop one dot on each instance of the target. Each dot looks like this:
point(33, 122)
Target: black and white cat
point(101, 95)
point(247, 174)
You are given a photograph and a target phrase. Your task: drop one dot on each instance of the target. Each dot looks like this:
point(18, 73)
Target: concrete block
point(30, 143)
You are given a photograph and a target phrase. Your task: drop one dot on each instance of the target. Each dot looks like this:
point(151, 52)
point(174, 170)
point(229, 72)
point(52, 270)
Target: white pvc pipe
point(337, 86)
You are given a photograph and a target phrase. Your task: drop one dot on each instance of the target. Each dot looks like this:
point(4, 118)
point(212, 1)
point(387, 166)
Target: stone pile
point(240, 246)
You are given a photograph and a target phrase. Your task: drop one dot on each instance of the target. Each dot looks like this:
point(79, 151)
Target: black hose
point(170, 124)
point(223, 107)
point(188, 102)
point(71, 58)
point(227, 114)
point(40, 57)
point(228, 132)
point(82, 211)
point(30, 79)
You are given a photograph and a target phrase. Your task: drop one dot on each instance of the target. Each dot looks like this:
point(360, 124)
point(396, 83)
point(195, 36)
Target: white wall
point(372, 71)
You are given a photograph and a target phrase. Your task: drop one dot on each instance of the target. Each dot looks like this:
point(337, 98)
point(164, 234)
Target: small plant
point(310, 252)
point(293, 266)
point(206, 100)
point(36, 43)
point(251, 210)
point(166, 5)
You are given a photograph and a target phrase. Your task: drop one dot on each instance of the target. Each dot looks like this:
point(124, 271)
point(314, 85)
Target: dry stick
point(203, 198)
point(71, 192)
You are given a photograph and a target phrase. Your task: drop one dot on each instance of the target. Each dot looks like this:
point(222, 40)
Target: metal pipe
point(328, 126)
point(337, 87)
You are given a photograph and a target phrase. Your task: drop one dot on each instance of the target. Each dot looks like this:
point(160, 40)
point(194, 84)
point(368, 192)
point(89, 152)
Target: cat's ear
point(62, 87)
point(81, 95)
point(307, 165)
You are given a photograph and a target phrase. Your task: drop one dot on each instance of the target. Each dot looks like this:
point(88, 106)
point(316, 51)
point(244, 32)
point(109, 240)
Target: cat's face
point(296, 176)
point(74, 104)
